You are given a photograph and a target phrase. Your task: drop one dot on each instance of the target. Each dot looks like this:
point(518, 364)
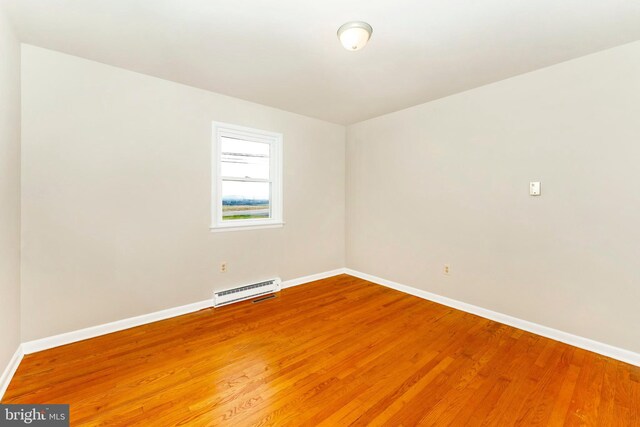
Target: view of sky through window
point(246, 189)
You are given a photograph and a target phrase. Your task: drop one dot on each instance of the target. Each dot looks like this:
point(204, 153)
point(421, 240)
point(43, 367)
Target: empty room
point(319, 213)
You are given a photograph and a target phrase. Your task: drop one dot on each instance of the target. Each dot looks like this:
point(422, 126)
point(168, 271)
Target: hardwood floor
point(335, 352)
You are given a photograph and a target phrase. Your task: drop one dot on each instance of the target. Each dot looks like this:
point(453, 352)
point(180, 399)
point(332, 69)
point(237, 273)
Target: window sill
point(218, 229)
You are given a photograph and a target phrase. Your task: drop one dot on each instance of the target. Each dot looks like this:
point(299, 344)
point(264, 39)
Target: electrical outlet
point(446, 269)
point(223, 267)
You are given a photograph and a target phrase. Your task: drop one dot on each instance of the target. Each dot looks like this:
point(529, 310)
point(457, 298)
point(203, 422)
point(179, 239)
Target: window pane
point(244, 159)
point(245, 200)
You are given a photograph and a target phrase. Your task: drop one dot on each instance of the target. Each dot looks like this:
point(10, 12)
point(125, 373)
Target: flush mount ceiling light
point(354, 35)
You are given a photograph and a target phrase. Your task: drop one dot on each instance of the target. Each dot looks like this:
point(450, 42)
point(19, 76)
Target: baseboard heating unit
point(242, 293)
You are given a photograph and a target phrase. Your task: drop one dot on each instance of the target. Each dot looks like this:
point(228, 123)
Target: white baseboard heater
point(241, 293)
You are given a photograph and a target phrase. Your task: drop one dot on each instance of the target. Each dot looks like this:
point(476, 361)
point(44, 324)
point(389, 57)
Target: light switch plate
point(534, 188)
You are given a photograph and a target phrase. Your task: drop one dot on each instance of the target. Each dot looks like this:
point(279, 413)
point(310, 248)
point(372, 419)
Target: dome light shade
point(354, 35)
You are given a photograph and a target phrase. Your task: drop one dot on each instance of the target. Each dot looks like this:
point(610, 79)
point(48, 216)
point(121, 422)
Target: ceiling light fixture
point(354, 35)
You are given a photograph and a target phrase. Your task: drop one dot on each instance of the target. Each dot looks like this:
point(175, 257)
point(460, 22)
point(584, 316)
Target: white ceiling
point(285, 53)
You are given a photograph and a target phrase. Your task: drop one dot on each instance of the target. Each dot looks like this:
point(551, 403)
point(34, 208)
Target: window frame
point(274, 140)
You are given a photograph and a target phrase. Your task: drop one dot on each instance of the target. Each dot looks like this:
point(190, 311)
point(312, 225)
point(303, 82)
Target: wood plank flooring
point(335, 352)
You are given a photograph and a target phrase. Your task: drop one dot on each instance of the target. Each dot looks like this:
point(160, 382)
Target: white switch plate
point(534, 188)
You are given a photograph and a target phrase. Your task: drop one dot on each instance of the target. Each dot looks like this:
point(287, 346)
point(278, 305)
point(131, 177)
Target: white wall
point(116, 179)
point(447, 182)
point(9, 192)
point(116, 195)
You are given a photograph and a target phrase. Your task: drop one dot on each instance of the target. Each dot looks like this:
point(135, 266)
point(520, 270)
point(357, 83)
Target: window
point(247, 178)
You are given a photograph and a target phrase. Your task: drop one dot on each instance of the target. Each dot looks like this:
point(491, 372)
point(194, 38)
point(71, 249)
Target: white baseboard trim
point(545, 331)
point(312, 278)
point(11, 369)
point(94, 331)
point(107, 328)
point(119, 325)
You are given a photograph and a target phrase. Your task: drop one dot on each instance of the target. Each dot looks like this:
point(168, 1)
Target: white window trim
point(275, 176)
